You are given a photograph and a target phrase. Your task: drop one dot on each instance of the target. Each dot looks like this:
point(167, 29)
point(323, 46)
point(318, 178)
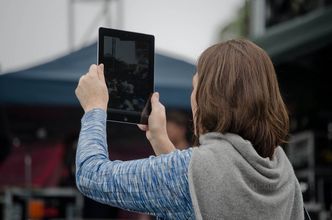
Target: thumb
point(101, 72)
point(155, 101)
point(143, 127)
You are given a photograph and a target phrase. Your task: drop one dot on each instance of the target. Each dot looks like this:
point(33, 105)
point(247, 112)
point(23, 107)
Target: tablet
point(128, 60)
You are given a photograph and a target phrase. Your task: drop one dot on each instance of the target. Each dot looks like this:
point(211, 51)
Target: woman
point(238, 170)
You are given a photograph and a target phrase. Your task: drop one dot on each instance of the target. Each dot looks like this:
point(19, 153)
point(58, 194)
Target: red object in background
point(46, 165)
point(51, 212)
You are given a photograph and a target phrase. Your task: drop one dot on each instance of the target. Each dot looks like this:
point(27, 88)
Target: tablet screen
point(128, 60)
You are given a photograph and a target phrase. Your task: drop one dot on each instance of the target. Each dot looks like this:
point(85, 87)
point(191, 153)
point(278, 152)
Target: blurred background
point(45, 46)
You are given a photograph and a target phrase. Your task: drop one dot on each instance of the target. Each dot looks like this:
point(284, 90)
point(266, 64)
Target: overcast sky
point(35, 31)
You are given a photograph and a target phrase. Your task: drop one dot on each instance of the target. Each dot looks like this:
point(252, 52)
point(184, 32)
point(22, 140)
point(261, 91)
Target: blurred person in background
point(238, 169)
point(177, 128)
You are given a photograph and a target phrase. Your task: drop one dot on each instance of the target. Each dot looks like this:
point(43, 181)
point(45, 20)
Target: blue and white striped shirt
point(157, 185)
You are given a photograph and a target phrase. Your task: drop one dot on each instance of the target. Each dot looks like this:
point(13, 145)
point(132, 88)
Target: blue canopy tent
point(53, 83)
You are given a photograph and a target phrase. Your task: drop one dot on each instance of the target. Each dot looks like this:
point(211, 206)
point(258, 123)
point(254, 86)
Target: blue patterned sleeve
point(157, 185)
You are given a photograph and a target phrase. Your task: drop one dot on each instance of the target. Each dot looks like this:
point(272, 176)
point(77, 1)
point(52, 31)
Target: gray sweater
point(229, 180)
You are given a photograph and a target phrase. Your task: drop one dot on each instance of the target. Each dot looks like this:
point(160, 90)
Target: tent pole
point(71, 25)
point(28, 170)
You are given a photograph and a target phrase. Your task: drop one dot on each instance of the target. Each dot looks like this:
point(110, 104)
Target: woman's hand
point(156, 131)
point(92, 90)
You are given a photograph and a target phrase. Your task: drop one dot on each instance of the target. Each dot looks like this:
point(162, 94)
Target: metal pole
point(119, 14)
point(92, 27)
point(107, 13)
point(27, 170)
point(71, 25)
point(257, 17)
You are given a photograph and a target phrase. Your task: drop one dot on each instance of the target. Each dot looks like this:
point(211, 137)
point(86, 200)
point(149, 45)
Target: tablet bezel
point(123, 116)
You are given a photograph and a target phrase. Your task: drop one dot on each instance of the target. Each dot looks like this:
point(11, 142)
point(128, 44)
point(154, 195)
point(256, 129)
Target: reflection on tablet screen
point(127, 73)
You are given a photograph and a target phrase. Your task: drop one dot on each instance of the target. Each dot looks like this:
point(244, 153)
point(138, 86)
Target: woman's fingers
point(90, 92)
point(101, 72)
point(142, 127)
point(93, 70)
point(155, 101)
point(157, 117)
point(155, 104)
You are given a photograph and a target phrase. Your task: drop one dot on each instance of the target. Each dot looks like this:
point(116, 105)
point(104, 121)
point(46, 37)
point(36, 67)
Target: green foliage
point(239, 27)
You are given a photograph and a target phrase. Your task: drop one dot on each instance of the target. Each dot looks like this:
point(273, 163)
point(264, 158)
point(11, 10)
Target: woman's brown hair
point(238, 92)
